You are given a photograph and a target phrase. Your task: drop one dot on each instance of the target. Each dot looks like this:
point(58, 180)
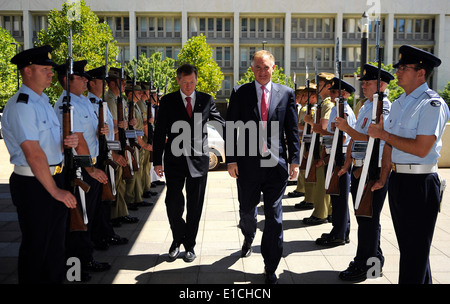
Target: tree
point(197, 52)
point(88, 42)
point(8, 72)
point(445, 94)
point(161, 71)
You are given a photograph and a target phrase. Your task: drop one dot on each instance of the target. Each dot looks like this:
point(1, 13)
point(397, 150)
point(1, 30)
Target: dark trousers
point(414, 203)
point(369, 229)
point(79, 243)
point(339, 203)
point(268, 182)
point(42, 221)
point(184, 232)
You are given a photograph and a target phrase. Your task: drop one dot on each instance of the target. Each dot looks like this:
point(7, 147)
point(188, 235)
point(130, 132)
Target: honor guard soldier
point(369, 229)
point(322, 204)
point(303, 188)
point(413, 135)
point(116, 88)
point(134, 187)
point(339, 234)
point(32, 135)
point(103, 233)
point(85, 125)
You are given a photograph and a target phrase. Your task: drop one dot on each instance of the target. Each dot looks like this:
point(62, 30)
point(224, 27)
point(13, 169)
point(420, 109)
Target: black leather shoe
point(312, 220)
point(330, 241)
point(144, 204)
point(174, 251)
point(353, 274)
point(246, 250)
point(189, 256)
point(296, 194)
point(325, 235)
point(129, 219)
point(149, 194)
point(270, 277)
point(117, 240)
point(304, 206)
point(101, 244)
point(94, 266)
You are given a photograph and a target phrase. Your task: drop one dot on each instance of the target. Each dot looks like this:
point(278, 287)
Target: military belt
point(26, 171)
point(414, 169)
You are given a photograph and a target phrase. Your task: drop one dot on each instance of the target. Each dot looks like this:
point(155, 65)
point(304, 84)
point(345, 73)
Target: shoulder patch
point(432, 94)
point(23, 98)
point(435, 103)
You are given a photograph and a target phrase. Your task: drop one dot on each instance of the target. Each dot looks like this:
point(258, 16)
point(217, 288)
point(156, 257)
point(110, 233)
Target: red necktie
point(189, 106)
point(264, 109)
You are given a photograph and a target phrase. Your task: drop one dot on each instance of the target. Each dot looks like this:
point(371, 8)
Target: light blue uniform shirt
point(351, 120)
point(109, 118)
point(84, 120)
point(364, 120)
point(423, 112)
point(33, 120)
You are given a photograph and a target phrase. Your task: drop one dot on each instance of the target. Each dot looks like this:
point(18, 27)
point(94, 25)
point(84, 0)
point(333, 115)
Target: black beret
point(344, 86)
point(370, 72)
point(97, 73)
point(412, 55)
point(38, 55)
point(78, 68)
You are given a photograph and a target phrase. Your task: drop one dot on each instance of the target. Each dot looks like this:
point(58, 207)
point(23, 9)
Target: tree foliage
point(89, 39)
point(161, 71)
point(445, 94)
point(197, 52)
point(8, 72)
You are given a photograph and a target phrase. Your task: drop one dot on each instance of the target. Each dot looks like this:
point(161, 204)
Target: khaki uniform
point(146, 180)
point(119, 207)
point(134, 187)
point(321, 200)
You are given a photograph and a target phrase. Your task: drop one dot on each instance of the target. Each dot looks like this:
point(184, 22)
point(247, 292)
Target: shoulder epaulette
point(23, 98)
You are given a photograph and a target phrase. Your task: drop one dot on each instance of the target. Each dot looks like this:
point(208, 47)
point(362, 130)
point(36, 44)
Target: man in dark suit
point(182, 117)
point(261, 120)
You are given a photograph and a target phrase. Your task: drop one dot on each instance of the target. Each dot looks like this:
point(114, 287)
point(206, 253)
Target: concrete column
point(338, 31)
point(184, 27)
point(287, 43)
point(441, 75)
point(133, 47)
point(389, 39)
point(27, 30)
point(236, 57)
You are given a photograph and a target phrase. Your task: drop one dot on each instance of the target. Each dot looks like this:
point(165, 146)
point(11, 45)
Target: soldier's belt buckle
point(393, 167)
point(58, 169)
point(94, 160)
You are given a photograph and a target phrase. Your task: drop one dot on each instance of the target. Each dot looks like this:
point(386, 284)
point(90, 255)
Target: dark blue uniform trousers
point(42, 221)
point(414, 203)
point(369, 229)
point(339, 203)
point(272, 185)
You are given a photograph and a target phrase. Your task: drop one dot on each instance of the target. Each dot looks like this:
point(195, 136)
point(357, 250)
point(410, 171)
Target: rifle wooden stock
point(126, 173)
point(365, 206)
point(113, 164)
point(76, 220)
point(333, 188)
point(107, 193)
point(312, 176)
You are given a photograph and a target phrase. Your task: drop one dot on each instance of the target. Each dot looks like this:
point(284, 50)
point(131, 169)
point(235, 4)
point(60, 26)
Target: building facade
point(296, 32)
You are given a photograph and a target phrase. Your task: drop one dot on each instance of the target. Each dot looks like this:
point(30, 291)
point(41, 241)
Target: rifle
point(72, 162)
point(150, 130)
point(125, 149)
point(108, 193)
point(131, 134)
point(371, 170)
point(332, 178)
point(314, 149)
point(306, 136)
